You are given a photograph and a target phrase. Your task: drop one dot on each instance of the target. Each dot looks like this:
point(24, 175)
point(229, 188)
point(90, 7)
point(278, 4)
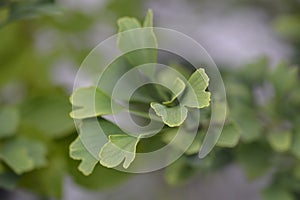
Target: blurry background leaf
point(50, 114)
point(9, 121)
point(23, 155)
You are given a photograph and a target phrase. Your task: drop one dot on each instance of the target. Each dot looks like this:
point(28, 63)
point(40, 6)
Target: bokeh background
point(42, 49)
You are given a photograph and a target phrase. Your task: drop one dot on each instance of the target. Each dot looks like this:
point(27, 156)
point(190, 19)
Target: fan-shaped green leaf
point(91, 102)
point(119, 148)
point(79, 152)
point(196, 96)
point(172, 116)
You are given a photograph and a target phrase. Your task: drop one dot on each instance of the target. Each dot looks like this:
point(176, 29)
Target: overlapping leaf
point(23, 154)
point(91, 102)
point(193, 96)
point(119, 148)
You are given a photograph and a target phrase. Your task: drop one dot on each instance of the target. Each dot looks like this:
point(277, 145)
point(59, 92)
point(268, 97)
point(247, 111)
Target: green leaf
point(101, 178)
point(139, 41)
point(179, 172)
point(277, 193)
point(48, 114)
point(23, 154)
point(9, 121)
point(8, 180)
point(172, 116)
point(79, 152)
point(230, 136)
point(92, 137)
point(148, 22)
point(255, 158)
point(91, 102)
point(119, 148)
point(182, 142)
point(196, 96)
point(248, 123)
point(177, 88)
point(280, 141)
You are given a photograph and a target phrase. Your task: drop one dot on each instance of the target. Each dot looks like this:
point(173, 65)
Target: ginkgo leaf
point(139, 41)
point(23, 155)
point(9, 120)
point(230, 136)
point(79, 152)
point(196, 96)
point(92, 137)
point(177, 88)
point(91, 102)
point(172, 116)
point(119, 148)
point(148, 22)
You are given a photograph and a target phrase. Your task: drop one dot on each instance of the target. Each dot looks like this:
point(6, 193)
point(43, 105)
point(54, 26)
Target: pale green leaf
point(91, 102)
point(79, 152)
point(148, 22)
point(23, 155)
point(119, 148)
point(248, 123)
point(179, 172)
point(196, 96)
point(280, 141)
point(139, 41)
point(284, 78)
point(230, 136)
point(177, 88)
point(9, 120)
point(172, 116)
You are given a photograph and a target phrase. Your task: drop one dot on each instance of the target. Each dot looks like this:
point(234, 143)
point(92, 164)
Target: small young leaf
point(172, 116)
point(91, 102)
point(79, 152)
point(140, 42)
point(9, 120)
point(119, 148)
point(177, 88)
point(23, 154)
point(148, 22)
point(196, 96)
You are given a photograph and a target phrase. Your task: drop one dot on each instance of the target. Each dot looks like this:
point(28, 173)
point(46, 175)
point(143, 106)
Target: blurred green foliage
point(36, 130)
